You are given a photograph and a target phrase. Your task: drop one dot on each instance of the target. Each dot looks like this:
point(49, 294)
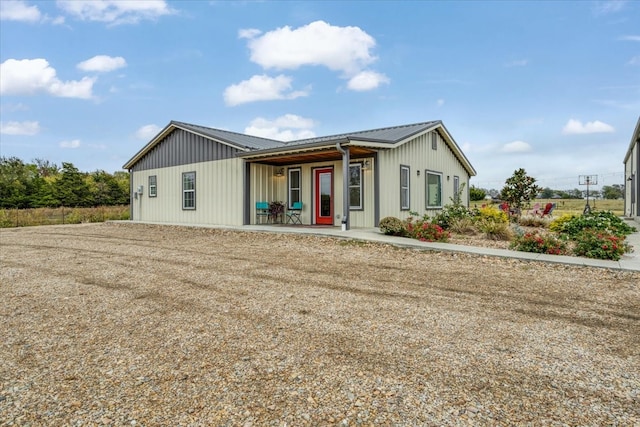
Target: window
point(404, 187)
point(355, 186)
point(189, 190)
point(456, 189)
point(294, 187)
point(434, 141)
point(434, 190)
point(153, 188)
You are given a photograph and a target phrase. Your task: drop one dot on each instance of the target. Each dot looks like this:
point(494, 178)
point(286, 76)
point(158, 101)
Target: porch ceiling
point(311, 156)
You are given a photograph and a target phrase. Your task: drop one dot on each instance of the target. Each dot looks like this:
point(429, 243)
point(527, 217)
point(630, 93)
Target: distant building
point(632, 189)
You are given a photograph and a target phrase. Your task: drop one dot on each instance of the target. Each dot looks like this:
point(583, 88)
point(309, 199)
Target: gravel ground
point(128, 324)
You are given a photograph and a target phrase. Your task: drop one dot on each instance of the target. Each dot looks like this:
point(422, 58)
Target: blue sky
point(553, 87)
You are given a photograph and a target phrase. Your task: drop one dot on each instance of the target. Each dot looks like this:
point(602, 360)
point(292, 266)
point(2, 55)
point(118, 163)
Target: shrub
point(492, 214)
point(598, 220)
point(426, 231)
point(558, 223)
point(392, 226)
point(464, 226)
point(495, 230)
point(533, 221)
point(539, 243)
point(600, 245)
point(450, 214)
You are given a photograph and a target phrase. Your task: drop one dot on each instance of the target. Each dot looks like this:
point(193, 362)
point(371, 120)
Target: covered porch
point(313, 177)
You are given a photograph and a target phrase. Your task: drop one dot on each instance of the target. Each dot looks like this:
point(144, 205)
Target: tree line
point(611, 192)
point(45, 184)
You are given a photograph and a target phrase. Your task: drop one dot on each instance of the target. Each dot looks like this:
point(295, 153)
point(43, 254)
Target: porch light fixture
point(279, 172)
point(418, 172)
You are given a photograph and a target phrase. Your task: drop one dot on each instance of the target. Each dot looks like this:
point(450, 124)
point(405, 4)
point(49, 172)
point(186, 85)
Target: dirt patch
point(115, 323)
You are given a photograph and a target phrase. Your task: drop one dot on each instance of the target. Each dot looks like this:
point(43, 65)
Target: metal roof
point(257, 146)
point(389, 135)
point(238, 139)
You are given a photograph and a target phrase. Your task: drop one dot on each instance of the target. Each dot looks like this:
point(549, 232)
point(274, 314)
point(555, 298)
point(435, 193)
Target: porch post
point(345, 186)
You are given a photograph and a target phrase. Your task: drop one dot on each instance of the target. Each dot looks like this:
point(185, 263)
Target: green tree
point(476, 194)
point(106, 190)
point(18, 183)
point(519, 189)
point(71, 189)
point(547, 193)
point(615, 191)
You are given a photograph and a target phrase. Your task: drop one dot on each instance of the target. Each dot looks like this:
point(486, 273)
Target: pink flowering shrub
point(425, 231)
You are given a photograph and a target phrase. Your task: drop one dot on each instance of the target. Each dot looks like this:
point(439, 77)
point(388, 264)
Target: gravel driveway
point(128, 324)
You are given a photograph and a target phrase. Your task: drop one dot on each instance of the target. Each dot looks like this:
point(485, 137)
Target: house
point(632, 187)
point(189, 174)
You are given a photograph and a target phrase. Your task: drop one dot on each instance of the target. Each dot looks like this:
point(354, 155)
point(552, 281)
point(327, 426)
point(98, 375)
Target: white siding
point(632, 182)
point(419, 156)
point(219, 190)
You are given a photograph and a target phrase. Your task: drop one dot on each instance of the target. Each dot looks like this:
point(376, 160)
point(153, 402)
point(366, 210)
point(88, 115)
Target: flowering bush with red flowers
point(539, 243)
point(600, 245)
point(425, 231)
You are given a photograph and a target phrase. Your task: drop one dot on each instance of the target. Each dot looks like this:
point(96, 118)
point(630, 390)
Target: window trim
point(426, 177)
point(360, 186)
point(408, 188)
point(191, 190)
point(153, 188)
point(290, 200)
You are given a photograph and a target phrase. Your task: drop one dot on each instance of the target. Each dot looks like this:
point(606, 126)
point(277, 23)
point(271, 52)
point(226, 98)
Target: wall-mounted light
point(366, 164)
point(279, 172)
point(418, 172)
point(447, 177)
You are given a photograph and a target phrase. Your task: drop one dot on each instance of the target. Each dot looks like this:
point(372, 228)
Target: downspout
point(345, 186)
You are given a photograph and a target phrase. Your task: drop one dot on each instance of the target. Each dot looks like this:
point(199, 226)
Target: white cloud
point(576, 127)
point(261, 88)
point(74, 143)
point(634, 61)
point(116, 11)
point(345, 49)
point(147, 132)
point(102, 63)
point(630, 38)
point(440, 102)
point(608, 6)
point(516, 147)
point(284, 128)
point(32, 76)
point(19, 128)
point(16, 10)
point(366, 80)
point(517, 63)
point(248, 33)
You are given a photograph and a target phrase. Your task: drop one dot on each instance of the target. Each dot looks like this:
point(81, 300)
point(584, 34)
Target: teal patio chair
point(262, 211)
point(293, 214)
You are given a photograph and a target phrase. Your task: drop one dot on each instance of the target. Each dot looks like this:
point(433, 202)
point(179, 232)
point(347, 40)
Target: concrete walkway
point(629, 262)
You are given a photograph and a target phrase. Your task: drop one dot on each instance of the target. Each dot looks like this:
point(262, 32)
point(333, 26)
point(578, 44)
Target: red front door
point(323, 188)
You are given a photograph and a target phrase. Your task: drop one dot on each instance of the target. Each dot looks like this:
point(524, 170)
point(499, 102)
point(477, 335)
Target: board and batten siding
point(183, 148)
point(419, 156)
point(219, 194)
